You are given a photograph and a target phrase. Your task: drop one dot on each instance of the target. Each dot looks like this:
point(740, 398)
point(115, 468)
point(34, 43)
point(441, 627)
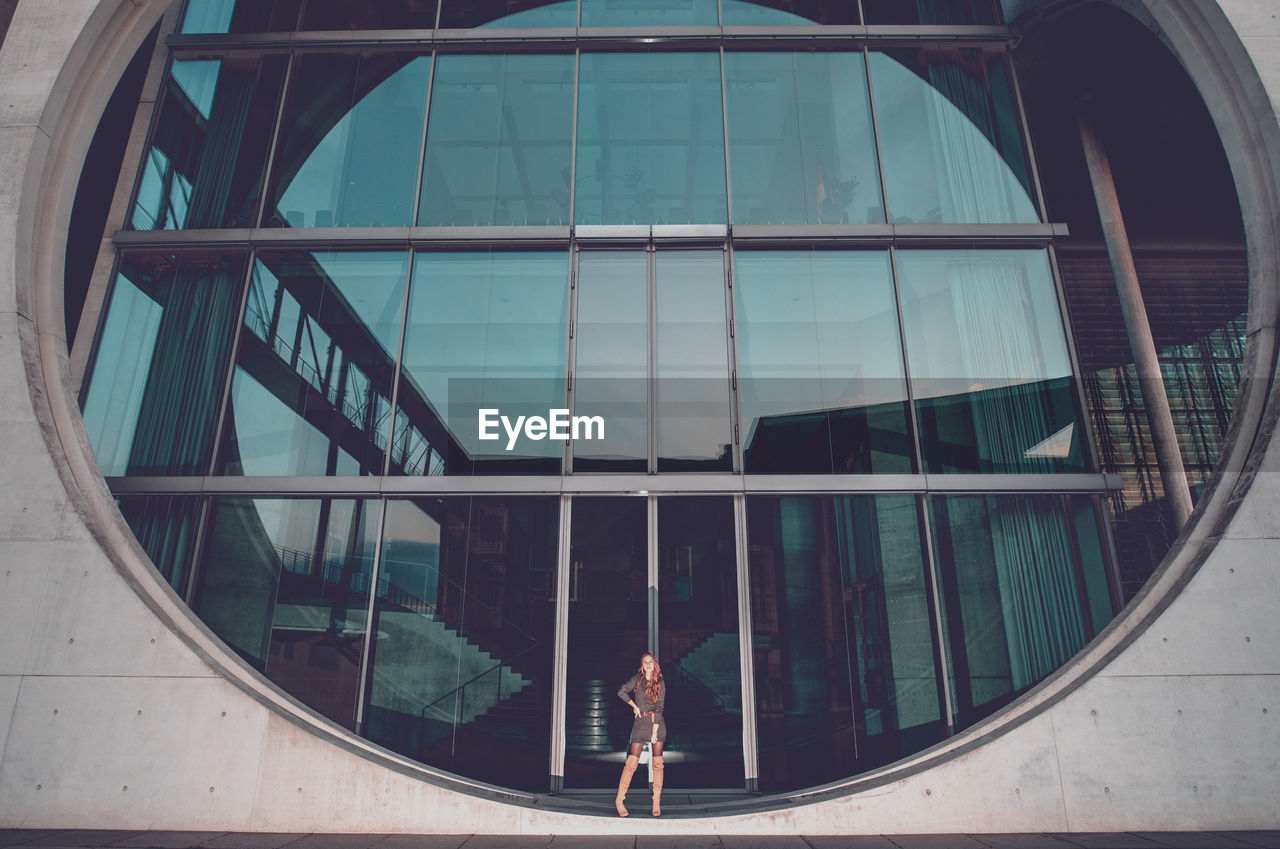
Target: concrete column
point(1173, 476)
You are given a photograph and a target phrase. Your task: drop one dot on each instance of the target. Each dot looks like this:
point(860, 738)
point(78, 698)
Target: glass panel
point(498, 144)
point(698, 644)
point(608, 632)
point(204, 167)
point(317, 357)
point(691, 393)
point(369, 14)
point(458, 14)
point(153, 396)
point(646, 13)
point(460, 674)
point(165, 527)
point(487, 331)
point(349, 142)
point(844, 653)
point(929, 12)
point(1012, 594)
point(1093, 564)
point(788, 12)
point(612, 367)
point(240, 16)
point(801, 146)
point(988, 362)
point(286, 584)
point(949, 138)
point(650, 139)
point(820, 375)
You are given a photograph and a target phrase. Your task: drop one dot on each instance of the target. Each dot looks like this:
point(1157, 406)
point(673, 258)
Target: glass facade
point(840, 485)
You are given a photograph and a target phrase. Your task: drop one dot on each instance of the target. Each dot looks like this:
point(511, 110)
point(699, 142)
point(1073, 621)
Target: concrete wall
point(120, 710)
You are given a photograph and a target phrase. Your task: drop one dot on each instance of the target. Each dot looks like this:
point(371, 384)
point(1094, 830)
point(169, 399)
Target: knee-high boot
point(628, 770)
point(657, 786)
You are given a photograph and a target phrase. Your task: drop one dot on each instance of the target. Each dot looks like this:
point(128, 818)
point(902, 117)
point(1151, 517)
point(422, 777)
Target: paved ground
point(54, 839)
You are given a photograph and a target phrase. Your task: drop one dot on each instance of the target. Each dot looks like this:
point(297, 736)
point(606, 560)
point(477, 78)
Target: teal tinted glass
point(521, 14)
point(206, 16)
point(464, 629)
point(801, 145)
point(650, 140)
point(950, 140)
point(349, 142)
point(788, 12)
point(646, 13)
point(820, 372)
point(498, 141)
point(487, 331)
point(152, 398)
point(210, 144)
point(844, 652)
point(368, 14)
point(988, 359)
point(1014, 610)
point(691, 390)
point(165, 526)
point(611, 374)
point(929, 12)
point(285, 583)
point(312, 386)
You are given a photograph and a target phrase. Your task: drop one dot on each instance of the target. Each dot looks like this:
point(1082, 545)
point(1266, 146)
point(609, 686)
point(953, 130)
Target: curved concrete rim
point(1197, 32)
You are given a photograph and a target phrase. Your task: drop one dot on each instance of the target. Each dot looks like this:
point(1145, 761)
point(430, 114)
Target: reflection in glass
point(843, 647)
point(1017, 602)
point(608, 631)
point(369, 14)
point(487, 331)
point(988, 359)
point(698, 643)
point(929, 12)
point(348, 149)
point(209, 147)
point(312, 387)
point(152, 398)
point(165, 527)
point(820, 375)
point(801, 146)
point(788, 12)
point(949, 138)
point(612, 360)
point(635, 13)
point(240, 16)
point(460, 674)
point(459, 14)
point(650, 139)
point(498, 141)
point(286, 584)
point(691, 392)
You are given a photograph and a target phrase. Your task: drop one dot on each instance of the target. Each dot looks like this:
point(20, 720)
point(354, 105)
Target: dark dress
point(642, 729)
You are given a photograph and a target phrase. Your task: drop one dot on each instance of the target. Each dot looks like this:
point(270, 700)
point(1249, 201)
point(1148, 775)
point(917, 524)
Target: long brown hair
point(652, 687)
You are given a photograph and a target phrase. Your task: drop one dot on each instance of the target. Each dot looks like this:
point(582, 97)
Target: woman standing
point(650, 694)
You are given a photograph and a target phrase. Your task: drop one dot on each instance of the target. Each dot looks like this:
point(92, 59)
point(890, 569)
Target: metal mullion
point(941, 656)
point(560, 665)
point(1077, 567)
point(366, 653)
point(746, 654)
point(426, 122)
point(397, 371)
point(269, 167)
point(233, 353)
point(651, 561)
point(193, 560)
point(1024, 132)
point(651, 384)
point(735, 390)
point(1089, 441)
point(724, 128)
point(913, 419)
point(875, 129)
point(571, 354)
point(573, 135)
point(1110, 555)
